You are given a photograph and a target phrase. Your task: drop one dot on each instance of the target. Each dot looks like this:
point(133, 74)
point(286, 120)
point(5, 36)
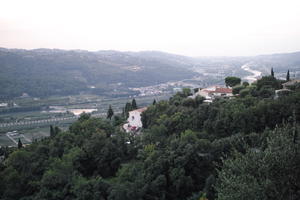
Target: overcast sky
point(188, 27)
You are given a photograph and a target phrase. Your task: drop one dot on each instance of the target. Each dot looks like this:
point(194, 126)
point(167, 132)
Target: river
point(255, 74)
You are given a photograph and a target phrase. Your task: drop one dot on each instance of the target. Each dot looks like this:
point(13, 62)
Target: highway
point(44, 121)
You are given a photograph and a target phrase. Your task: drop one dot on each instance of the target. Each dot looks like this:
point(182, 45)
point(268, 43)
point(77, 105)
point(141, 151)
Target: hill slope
point(45, 72)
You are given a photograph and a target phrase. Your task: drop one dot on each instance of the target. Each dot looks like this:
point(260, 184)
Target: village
point(210, 94)
point(134, 123)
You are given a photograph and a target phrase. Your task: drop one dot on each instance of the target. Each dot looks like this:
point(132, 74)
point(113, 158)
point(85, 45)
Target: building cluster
point(213, 92)
point(134, 122)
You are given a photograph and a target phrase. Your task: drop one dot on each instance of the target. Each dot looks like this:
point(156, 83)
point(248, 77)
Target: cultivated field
point(34, 125)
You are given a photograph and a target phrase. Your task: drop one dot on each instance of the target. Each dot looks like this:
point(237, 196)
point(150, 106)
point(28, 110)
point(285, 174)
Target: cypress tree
point(56, 130)
point(128, 107)
point(288, 75)
point(20, 145)
point(110, 112)
point(272, 72)
point(123, 112)
point(52, 131)
point(154, 102)
point(133, 104)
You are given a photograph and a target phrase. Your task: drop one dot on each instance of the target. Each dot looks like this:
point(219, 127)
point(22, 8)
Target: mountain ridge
point(44, 72)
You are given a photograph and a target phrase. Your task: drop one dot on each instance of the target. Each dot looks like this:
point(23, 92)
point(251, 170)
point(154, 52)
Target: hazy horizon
point(150, 50)
point(190, 28)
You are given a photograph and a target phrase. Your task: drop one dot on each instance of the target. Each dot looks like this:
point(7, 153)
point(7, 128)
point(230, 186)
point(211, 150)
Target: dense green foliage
point(232, 81)
point(242, 148)
point(269, 170)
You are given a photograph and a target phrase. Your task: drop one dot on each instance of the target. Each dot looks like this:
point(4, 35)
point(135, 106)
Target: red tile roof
point(223, 90)
point(218, 90)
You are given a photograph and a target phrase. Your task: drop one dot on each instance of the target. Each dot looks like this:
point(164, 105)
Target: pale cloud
point(189, 27)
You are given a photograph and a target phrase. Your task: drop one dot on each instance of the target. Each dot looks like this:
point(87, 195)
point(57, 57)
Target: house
point(214, 92)
point(290, 83)
point(134, 120)
point(222, 92)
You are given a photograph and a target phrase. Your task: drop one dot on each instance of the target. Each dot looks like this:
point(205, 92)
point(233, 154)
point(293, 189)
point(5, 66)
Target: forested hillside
point(45, 72)
point(233, 149)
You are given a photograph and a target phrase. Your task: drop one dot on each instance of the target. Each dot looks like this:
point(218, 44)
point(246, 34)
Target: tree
point(245, 83)
point(20, 145)
point(123, 113)
point(154, 102)
point(272, 72)
point(186, 92)
point(110, 112)
point(84, 116)
point(269, 172)
point(288, 75)
point(118, 120)
point(52, 131)
point(232, 81)
point(244, 92)
point(144, 119)
point(199, 100)
point(128, 107)
point(188, 102)
point(56, 130)
point(133, 104)
point(237, 89)
point(268, 81)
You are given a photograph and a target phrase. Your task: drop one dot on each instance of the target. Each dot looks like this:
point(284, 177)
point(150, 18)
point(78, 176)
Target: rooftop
point(291, 82)
point(140, 110)
point(223, 90)
point(218, 90)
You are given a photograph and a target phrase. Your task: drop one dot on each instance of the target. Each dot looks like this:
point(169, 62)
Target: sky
point(187, 27)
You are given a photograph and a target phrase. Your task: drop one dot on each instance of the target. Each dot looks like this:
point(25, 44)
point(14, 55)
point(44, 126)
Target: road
point(251, 78)
point(45, 121)
point(8, 134)
point(36, 122)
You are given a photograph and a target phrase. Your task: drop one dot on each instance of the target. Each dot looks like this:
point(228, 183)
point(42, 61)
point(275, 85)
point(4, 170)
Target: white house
point(134, 120)
point(213, 92)
point(222, 92)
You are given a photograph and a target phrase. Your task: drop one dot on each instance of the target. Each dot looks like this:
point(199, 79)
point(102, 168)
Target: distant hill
point(281, 62)
point(44, 72)
point(292, 59)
